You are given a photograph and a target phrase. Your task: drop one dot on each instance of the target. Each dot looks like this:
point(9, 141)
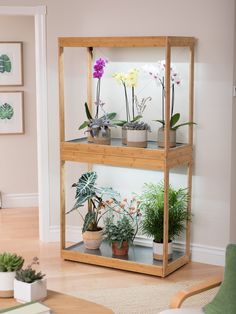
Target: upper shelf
point(149, 41)
point(152, 158)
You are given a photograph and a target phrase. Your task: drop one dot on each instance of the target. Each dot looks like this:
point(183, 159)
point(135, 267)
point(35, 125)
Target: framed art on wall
point(11, 113)
point(11, 64)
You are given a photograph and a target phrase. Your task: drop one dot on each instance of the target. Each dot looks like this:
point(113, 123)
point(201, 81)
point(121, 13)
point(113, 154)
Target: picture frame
point(11, 113)
point(11, 63)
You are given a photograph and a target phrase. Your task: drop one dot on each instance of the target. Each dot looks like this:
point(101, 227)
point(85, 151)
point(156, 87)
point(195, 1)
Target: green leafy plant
point(88, 191)
point(5, 64)
point(29, 275)
point(122, 222)
point(10, 262)
point(152, 207)
point(173, 121)
point(6, 111)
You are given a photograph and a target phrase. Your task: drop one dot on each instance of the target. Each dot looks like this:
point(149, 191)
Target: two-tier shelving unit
point(140, 258)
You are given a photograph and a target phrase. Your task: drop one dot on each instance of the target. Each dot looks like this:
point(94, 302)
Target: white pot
point(28, 292)
point(7, 284)
point(137, 138)
point(158, 249)
point(92, 239)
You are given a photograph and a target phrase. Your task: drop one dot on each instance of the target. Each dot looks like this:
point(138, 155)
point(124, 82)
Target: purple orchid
point(98, 69)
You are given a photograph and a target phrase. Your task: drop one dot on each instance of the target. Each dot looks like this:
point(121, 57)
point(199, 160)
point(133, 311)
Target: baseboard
point(199, 253)
point(19, 200)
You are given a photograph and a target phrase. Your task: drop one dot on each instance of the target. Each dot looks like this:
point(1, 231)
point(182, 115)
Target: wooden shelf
point(140, 258)
point(152, 157)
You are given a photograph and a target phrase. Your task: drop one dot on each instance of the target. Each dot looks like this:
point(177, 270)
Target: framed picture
point(11, 113)
point(11, 64)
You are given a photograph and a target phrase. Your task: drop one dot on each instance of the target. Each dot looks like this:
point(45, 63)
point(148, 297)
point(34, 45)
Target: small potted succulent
point(30, 285)
point(88, 192)
point(9, 264)
point(158, 74)
point(130, 80)
point(152, 207)
point(121, 225)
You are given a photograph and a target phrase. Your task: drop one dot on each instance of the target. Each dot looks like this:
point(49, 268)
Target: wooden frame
point(11, 117)
point(11, 63)
point(146, 158)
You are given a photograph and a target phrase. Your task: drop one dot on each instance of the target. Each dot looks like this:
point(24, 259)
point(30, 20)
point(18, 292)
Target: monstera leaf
point(5, 64)
point(6, 111)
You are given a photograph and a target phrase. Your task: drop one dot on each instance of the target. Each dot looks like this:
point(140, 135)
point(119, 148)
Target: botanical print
point(6, 111)
point(11, 63)
point(11, 113)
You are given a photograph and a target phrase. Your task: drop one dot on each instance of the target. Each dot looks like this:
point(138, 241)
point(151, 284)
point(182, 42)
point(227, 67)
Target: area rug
point(146, 299)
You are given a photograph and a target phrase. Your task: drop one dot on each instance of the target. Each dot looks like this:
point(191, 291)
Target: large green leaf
point(88, 114)
point(182, 124)
point(111, 115)
point(83, 125)
point(160, 121)
point(174, 119)
point(136, 118)
point(85, 186)
point(88, 220)
point(119, 122)
point(106, 192)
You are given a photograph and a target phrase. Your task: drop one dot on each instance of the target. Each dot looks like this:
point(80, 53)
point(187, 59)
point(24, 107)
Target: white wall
point(212, 23)
point(18, 158)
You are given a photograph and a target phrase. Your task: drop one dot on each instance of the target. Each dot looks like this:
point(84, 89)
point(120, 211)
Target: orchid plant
point(105, 121)
point(157, 72)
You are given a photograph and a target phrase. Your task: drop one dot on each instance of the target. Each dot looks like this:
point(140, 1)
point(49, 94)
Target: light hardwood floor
point(19, 233)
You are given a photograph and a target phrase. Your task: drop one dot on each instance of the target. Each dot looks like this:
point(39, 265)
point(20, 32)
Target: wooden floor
point(19, 233)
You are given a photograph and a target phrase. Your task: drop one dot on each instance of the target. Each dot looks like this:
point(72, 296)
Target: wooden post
point(166, 167)
point(62, 139)
point(190, 141)
point(90, 88)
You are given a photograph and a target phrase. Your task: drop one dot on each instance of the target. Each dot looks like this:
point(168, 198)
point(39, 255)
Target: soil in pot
point(120, 251)
point(92, 239)
point(161, 137)
point(158, 249)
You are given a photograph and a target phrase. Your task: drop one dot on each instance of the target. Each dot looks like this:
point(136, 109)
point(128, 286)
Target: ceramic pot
point(92, 239)
point(124, 136)
point(29, 292)
point(137, 138)
point(122, 251)
point(7, 284)
point(158, 249)
point(161, 137)
point(102, 137)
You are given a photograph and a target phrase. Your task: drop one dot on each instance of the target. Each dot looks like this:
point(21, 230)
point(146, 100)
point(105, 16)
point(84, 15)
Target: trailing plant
point(10, 262)
point(88, 192)
point(29, 275)
point(152, 207)
point(137, 125)
point(122, 222)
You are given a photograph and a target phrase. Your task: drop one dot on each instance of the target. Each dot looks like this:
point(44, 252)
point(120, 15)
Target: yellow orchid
point(132, 78)
point(120, 77)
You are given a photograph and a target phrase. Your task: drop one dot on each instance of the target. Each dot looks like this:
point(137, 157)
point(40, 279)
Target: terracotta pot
point(161, 137)
point(123, 250)
point(124, 136)
point(137, 138)
point(102, 137)
point(158, 249)
point(7, 284)
point(92, 239)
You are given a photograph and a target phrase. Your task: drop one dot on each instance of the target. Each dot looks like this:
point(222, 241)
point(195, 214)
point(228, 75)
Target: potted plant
point(137, 133)
point(88, 192)
point(9, 264)
point(98, 127)
point(130, 80)
point(152, 207)
point(30, 285)
point(121, 225)
point(158, 74)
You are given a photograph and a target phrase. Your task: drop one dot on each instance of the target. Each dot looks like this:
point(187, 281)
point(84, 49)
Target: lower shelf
point(139, 259)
